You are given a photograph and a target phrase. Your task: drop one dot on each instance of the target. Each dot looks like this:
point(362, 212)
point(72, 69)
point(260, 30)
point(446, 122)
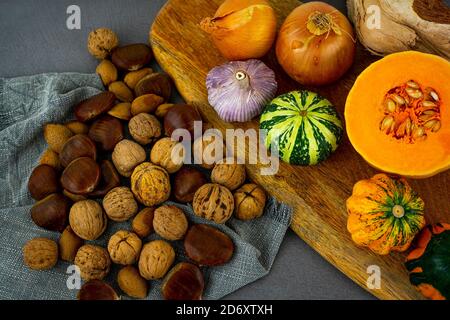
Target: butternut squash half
point(398, 114)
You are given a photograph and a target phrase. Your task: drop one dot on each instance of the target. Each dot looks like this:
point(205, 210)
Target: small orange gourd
point(398, 114)
point(384, 214)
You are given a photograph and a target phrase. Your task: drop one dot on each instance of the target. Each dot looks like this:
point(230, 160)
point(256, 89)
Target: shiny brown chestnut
point(52, 212)
point(43, 181)
point(94, 106)
point(132, 57)
point(187, 180)
point(97, 290)
point(81, 176)
point(184, 282)
point(155, 83)
point(181, 116)
point(109, 179)
point(106, 131)
point(208, 246)
point(78, 146)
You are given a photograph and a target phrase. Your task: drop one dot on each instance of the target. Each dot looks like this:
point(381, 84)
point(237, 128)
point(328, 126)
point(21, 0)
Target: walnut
point(250, 200)
point(119, 204)
point(87, 219)
point(40, 253)
point(228, 173)
point(208, 150)
point(69, 243)
point(127, 155)
point(93, 261)
point(156, 258)
point(213, 202)
point(124, 247)
point(150, 184)
point(101, 42)
point(131, 282)
point(144, 128)
point(142, 223)
point(167, 154)
point(170, 222)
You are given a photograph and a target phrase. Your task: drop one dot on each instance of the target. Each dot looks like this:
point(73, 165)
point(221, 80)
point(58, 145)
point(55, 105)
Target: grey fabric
point(26, 104)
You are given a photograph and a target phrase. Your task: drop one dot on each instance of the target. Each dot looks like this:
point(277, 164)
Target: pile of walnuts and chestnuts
point(81, 185)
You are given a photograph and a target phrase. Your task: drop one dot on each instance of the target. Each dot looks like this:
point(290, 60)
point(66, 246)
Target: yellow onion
point(315, 45)
point(242, 29)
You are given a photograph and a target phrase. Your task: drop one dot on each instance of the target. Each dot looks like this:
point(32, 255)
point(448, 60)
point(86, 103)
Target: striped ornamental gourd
point(304, 126)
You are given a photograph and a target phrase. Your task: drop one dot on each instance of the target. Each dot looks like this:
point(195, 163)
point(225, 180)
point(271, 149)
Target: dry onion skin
point(421, 25)
point(315, 45)
point(242, 29)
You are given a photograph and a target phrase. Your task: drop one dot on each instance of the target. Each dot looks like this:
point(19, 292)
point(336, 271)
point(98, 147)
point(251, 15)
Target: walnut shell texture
point(156, 258)
point(144, 128)
point(170, 222)
point(101, 41)
point(214, 202)
point(119, 204)
point(229, 174)
point(87, 219)
point(40, 253)
point(93, 261)
point(150, 184)
point(250, 200)
point(126, 156)
point(167, 154)
point(124, 247)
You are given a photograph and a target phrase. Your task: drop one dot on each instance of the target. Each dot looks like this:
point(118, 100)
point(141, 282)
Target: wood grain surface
point(318, 193)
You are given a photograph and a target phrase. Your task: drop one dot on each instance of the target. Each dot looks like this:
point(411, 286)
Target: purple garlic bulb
point(239, 90)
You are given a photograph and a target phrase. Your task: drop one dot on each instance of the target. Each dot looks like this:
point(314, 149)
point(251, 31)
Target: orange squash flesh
point(364, 112)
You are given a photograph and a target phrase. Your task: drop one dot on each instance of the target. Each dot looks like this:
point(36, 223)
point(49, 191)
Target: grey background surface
point(34, 39)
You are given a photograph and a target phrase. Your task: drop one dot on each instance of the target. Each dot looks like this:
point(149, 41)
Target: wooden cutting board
point(317, 193)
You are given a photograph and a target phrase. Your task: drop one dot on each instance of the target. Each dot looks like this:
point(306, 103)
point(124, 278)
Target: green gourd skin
point(304, 127)
point(435, 264)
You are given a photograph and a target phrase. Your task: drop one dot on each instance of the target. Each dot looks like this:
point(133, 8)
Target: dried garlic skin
point(402, 27)
point(239, 90)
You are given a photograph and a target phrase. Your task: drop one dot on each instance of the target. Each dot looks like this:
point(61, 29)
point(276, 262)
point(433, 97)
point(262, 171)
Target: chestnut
point(78, 146)
point(94, 106)
point(183, 282)
point(181, 116)
point(187, 180)
point(131, 57)
point(106, 132)
point(109, 179)
point(81, 176)
point(154, 83)
point(97, 290)
point(52, 212)
point(43, 181)
point(208, 246)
